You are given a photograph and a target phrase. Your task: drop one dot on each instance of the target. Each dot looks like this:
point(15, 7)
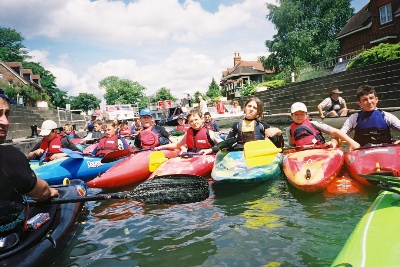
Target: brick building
point(377, 22)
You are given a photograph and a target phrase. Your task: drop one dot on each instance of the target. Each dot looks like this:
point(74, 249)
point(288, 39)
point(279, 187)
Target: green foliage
point(85, 102)
point(28, 92)
point(248, 88)
point(376, 54)
point(11, 48)
point(164, 94)
point(196, 97)
point(273, 84)
point(122, 91)
point(306, 31)
point(213, 90)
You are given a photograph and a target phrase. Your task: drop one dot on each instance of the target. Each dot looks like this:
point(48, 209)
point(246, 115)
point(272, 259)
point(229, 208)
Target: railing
point(65, 116)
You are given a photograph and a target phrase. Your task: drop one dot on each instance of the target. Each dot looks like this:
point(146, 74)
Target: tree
point(11, 48)
point(122, 91)
point(47, 81)
point(164, 94)
point(306, 32)
point(84, 101)
point(213, 90)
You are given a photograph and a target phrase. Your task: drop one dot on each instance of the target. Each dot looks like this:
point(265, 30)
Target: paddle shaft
point(78, 199)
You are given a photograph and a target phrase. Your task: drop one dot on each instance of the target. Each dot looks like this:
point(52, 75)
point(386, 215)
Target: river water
point(261, 224)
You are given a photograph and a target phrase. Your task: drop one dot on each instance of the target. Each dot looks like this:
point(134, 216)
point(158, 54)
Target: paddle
point(167, 189)
point(157, 158)
point(42, 157)
point(382, 177)
point(72, 154)
point(112, 156)
point(227, 143)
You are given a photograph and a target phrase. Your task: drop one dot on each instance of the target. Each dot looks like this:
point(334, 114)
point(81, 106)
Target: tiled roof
point(26, 71)
point(361, 19)
point(246, 67)
point(14, 64)
point(36, 76)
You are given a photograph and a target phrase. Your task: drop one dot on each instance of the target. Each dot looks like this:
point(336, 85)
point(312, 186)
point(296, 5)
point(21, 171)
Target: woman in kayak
point(152, 135)
point(303, 131)
point(252, 127)
point(111, 141)
point(51, 143)
point(197, 138)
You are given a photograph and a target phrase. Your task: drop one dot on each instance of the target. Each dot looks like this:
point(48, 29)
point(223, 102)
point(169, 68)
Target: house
point(12, 74)
point(242, 71)
point(377, 22)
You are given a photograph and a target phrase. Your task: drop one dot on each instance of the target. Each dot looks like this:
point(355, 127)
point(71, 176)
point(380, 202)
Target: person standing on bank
point(16, 180)
point(252, 127)
point(332, 106)
point(202, 105)
point(51, 143)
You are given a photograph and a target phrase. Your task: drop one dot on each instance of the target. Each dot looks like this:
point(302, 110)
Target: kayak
point(373, 159)
point(44, 245)
point(231, 166)
point(131, 170)
point(200, 165)
point(86, 168)
point(312, 170)
point(374, 242)
point(342, 185)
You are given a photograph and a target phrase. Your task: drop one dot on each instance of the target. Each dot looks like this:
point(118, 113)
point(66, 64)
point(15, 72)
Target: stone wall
point(385, 77)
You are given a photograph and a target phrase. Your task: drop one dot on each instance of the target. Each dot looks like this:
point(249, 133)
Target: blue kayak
point(232, 167)
point(85, 169)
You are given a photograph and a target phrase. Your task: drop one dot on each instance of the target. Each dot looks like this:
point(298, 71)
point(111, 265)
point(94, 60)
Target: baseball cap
point(94, 114)
point(47, 127)
point(146, 111)
point(298, 106)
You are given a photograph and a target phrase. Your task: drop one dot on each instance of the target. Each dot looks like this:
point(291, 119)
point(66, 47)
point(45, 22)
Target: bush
point(380, 53)
point(273, 84)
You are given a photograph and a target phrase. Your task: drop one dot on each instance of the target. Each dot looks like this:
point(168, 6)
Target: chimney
point(236, 59)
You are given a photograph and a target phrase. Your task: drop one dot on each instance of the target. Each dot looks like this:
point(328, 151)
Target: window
point(1, 75)
point(386, 13)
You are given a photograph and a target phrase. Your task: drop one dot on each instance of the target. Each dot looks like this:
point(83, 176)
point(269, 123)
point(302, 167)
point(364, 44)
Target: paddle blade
point(71, 153)
point(260, 152)
point(382, 178)
point(172, 189)
point(156, 159)
point(112, 156)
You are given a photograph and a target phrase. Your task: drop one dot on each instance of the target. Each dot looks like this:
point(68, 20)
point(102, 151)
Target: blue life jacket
point(372, 128)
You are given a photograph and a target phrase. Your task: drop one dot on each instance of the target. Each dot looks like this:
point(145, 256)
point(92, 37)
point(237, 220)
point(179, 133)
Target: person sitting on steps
point(331, 106)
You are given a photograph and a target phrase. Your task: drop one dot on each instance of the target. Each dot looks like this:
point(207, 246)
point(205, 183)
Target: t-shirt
point(16, 176)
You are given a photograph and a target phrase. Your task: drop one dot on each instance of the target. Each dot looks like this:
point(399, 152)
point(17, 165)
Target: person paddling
point(17, 180)
point(110, 142)
point(152, 135)
point(198, 138)
point(252, 127)
point(51, 143)
point(304, 131)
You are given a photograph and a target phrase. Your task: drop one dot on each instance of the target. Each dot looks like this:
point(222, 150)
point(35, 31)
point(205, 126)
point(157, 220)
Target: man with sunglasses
point(51, 143)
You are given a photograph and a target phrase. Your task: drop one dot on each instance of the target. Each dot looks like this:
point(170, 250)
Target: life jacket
point(52, 147)
point(13, 216)
point(250, 132)
point(125, 132)
point(221, 109)
point(107, 145)
point(335, 105)
point(71, 135)
point(152, 138)
point(197, 140)
point(183, 127)
point(372, 128)
point(209, 125)
point(304, 134)
point(90, 126)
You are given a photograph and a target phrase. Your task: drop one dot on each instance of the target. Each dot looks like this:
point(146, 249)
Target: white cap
point(47, 127)
point(298, 106)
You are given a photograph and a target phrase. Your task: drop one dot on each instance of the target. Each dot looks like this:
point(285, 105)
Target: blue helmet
point(146, 111)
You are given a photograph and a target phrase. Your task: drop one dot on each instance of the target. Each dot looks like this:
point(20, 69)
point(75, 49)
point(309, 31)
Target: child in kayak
point(197, 138)
point(111, 141)
point(252, 128)
point(182, 126)
point(210, 123)
point(303, 131)
point(69, 132)
point(152, 135)
point(124, 130)
point(51, 143)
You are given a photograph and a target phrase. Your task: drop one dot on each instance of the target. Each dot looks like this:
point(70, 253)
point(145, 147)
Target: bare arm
point(321, 112)
point(343, 136)
point(42, 191)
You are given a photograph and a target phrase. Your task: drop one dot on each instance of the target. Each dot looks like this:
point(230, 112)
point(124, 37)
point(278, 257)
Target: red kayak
point(313, 170)
point(132, 170)
point(373, 159)
point(187, 163)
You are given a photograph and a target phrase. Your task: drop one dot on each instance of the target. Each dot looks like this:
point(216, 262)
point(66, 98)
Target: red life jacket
point(125, 132)
point(149, 138)
point(209, 125)
point(199, 141)
point(221, 109)
point(305, 133)
point(52, 147)
point(183, 127)
point(107, 145)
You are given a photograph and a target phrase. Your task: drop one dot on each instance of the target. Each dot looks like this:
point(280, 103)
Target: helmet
point(146, 111)
point(181, 116)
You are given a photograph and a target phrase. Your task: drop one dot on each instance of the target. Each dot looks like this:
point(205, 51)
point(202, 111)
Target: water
point(262, 224)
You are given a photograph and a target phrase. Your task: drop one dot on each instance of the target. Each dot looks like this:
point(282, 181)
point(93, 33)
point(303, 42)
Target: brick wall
point(385, 77)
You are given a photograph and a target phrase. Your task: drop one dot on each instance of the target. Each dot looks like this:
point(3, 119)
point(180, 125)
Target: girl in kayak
point(69, 132)
point(182, 126)
point(303, 131)
point(252, 127)
point(197, 138)
point(111, 141)
point(152, 135)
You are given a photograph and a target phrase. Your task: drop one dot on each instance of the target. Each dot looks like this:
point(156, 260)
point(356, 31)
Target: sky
point(177, 44)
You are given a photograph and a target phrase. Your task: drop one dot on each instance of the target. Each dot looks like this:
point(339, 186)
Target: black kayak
point(43, 246)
